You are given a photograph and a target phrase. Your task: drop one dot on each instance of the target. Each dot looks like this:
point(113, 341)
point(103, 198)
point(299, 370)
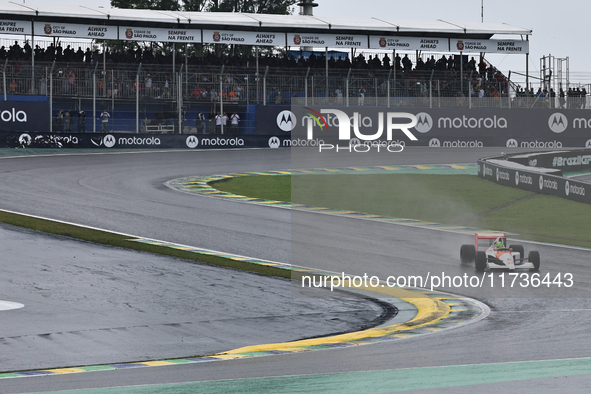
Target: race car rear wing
point(490, 236)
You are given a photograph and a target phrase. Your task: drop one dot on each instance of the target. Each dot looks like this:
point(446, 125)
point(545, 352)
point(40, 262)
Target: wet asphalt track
point(126, 193)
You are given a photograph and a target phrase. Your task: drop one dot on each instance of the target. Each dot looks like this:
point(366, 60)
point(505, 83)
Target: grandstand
point(145, 82)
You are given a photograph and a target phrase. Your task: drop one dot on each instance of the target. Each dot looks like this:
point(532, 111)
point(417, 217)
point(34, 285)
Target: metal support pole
point(431, 89)
point(222, 98)
point(174, 59)
point(347, 88)
point(4, 78)
point(394, 68)
point(32, 57)
point(94, 97)
point(470, 92)
point(180, 100)
point(112, 99)
point(104, 93)
point(388, 86)
point(527, 66)
point(265, 85)
point(461, 73)
point(137, 99)
point(257, 75)
point(50, 96)
point(306, 87)
point(326, 93)
point(509, 90)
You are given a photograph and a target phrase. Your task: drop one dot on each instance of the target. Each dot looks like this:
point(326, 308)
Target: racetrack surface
point(126, 193)
point(88, 304)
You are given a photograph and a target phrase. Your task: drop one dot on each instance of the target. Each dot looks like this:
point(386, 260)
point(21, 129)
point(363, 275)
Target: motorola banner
point(139, 141)
point(274, 120)
point(24, 115)
point(437, 127)
point(535, 181)
point(513, 128)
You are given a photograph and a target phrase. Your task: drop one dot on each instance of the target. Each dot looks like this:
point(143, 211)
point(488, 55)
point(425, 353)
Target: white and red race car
point(490, 252)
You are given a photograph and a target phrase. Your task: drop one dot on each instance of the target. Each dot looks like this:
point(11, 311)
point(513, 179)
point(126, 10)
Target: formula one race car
point(490, 252)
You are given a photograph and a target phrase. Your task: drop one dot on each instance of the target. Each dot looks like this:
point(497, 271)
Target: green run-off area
point(448, 199)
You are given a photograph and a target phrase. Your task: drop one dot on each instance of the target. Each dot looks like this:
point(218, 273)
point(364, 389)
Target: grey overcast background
point(559, 28)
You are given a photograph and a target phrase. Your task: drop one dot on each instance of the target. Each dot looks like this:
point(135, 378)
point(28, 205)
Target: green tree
point(251, 6)
point(170, 5)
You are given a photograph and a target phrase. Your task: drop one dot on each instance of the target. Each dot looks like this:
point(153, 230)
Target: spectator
point(361, 98)
point(104, 117)
point(67, 122)
point(59, 121)
point(234, 120)
point(218, 123)
point(81, 121)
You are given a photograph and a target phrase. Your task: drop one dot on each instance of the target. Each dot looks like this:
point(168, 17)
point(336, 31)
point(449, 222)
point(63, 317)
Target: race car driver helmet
point(499, 244)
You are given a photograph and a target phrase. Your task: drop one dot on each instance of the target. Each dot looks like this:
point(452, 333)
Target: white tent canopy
point(255, 22)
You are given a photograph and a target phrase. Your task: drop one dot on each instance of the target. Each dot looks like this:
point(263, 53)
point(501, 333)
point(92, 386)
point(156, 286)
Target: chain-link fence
point(163, 99)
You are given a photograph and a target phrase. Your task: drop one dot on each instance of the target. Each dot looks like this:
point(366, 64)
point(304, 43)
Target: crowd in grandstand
point(452, 76)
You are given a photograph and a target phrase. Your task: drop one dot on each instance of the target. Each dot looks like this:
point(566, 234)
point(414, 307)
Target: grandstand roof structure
point(244, 22)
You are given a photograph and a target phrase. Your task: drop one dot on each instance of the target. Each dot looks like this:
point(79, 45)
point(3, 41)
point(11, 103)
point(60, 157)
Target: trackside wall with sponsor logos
point(534, 179)
point(439, 127)
point(566, 161)
point(136, 141)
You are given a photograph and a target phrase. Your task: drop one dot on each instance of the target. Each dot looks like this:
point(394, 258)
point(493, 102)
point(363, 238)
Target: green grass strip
point(123, 241)
point(465, 200)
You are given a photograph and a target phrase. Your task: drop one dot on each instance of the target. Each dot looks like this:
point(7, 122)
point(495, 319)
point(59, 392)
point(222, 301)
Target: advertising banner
point(409, 43)
point(243, 37)
point(24, 115)
point(159, 34)
point(52, 29)
point(490, 46)
point(15, 27)
point(328, 40)
point(274, 120)
point(137, 141)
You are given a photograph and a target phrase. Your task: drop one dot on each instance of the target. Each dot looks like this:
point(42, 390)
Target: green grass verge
point(448, 199)
point(107, 238)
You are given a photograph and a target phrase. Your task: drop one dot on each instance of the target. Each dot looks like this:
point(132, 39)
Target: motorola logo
point(424, 122)
point(511, 143)
point(192, 142)
point(286, 121)
point(434, 143)
point(557, 122)
point(109, 141)
point(354, 142)
point(274, 142)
